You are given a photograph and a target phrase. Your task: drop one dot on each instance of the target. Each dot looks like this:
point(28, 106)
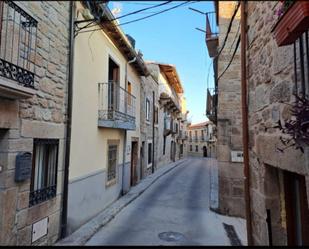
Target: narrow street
point(176, 202)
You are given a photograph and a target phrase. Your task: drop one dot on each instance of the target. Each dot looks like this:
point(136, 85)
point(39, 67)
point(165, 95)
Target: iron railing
point(211, 25)
point(301, 65)
point(115, 103)
point(212, 104)
point(18, 35)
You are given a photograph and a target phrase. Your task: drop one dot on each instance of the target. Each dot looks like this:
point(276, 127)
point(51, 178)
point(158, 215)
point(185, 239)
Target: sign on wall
point(23, 166)
point(237, 156)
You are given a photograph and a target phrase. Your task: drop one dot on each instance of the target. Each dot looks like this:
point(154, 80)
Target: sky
point(171, 37)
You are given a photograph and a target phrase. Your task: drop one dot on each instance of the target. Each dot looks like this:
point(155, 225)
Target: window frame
point(110, 182)
point(147, 109)
point(48, 191)
point(149, 155)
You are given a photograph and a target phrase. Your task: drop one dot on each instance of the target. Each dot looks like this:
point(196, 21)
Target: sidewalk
point(85, 232)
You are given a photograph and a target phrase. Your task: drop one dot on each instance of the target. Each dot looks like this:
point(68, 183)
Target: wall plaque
point(23, 166)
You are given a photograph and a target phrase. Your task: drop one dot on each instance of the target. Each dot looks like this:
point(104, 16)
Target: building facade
point(105, 139)
point(279, 173)
point(201, 140)
point(224, 105)
point(33, 96)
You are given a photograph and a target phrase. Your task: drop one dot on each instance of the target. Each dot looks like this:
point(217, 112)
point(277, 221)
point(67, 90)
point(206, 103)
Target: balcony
point(18, 32)
point(116, 107)
point(167, 125)
point(212, 104)
point(211, 38)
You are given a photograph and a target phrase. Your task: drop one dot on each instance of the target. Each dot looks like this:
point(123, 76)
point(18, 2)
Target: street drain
point(231, 233)
point(171, 236)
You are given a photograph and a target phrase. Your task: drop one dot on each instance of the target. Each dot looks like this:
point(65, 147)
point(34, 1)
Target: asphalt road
point(173, 211)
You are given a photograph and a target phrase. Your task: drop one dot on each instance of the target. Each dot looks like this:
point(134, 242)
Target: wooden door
point(297, 212)
point(134, 158)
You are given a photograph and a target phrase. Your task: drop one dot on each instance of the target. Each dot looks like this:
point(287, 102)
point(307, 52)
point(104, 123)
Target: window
point(164, 144)
point(112, 162)
point(147, 109)
point(149, 153)
point(190, 147)
point(176, 127)
point(181, 149)
point(196, 148)
point(190, 134)
point(156, 117)
point(44, 170)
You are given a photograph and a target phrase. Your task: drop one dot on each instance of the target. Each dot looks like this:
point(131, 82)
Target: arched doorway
point(204, 151)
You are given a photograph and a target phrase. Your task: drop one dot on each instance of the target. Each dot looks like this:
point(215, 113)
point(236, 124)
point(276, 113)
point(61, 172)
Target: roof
point(199, 125)
point(114, 32)
point(171, 74)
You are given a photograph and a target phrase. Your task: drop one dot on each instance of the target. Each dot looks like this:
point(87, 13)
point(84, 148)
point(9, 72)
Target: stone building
point(149, 107)
point(224, 105)
point(201, 140)
point(170, 116)
point(33, 86)
point(105, 139)
point(279, 174)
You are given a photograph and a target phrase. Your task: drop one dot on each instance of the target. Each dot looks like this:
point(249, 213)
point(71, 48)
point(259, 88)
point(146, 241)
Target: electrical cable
point(237, 45)
point(131, 13)
point(141, 18)
point(228, 29)
point(238, 29)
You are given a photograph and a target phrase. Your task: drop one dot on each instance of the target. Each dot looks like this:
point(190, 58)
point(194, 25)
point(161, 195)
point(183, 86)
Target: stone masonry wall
point(270, 86)
point(41, 116)
point(229, 125)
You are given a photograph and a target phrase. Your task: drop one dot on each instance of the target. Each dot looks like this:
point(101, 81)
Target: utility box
point(237, 156)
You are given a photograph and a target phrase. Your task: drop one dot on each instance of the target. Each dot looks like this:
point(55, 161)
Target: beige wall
point(88, 145)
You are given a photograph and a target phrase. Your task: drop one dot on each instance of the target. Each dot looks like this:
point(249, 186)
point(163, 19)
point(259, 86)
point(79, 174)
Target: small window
point(191, 147)
point(149, 153)
point(156, 117)
point(44, 170)
point(112, 163)
point(196, 148)
point(147, 109)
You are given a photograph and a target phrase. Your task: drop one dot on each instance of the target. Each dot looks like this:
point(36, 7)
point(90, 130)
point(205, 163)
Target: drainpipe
point(245, 128)
point(125, 131)
point(68, 127)
point(153, 130)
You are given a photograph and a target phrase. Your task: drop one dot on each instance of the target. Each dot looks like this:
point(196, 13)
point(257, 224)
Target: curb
point(214, 198)
point(86, 231)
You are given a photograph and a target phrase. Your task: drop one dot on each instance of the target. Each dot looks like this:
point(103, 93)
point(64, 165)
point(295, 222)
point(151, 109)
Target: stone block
point(23, 200)
point(24, 236)
point(20, 145)
point(54, 224)
point(21, 218)
point(223, 153)
point(42, 129)
point(9, 113)
point(281, 92)
point(8, 210)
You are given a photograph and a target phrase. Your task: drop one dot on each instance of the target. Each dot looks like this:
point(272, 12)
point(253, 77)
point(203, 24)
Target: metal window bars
point(115, 103)
point(18, 36)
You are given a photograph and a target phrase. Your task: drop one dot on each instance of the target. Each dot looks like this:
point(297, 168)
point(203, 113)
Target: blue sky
point(171, 38)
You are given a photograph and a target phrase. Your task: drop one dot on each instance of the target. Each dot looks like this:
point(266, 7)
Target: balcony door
point(113, 85)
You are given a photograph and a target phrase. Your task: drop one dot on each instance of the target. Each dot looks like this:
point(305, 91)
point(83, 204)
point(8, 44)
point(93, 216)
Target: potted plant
point(293, 21)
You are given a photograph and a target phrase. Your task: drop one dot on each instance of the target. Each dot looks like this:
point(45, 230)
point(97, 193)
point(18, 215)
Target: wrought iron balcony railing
point(212, 40)
point(212, 104)
point(18, 35)
point(116, 106)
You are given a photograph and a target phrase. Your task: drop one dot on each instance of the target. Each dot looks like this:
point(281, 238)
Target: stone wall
point(41, 116)
point(229, 125)
point(270, 86)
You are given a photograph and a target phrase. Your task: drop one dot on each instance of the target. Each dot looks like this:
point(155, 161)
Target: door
point(297, 212)
point(134, 158)
point(142, 157)
point(204, 151)
point(113, 85)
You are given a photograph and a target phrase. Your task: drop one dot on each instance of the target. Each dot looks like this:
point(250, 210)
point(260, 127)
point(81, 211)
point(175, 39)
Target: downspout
point(64, 214)
point(125, 131)
point(153, 131)
point(245, 127)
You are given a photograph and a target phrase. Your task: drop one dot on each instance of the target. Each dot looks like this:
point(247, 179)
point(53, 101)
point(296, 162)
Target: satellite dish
point(95, 8)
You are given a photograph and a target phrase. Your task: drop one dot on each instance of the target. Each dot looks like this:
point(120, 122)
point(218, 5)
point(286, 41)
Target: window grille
point(44, 170)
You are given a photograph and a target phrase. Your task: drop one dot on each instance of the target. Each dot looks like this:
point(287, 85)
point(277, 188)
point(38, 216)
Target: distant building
point(201, 140)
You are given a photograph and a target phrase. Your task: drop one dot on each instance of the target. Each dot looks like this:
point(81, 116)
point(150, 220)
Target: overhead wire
point(142, 18)
point(237, 45)
point(228, 29)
